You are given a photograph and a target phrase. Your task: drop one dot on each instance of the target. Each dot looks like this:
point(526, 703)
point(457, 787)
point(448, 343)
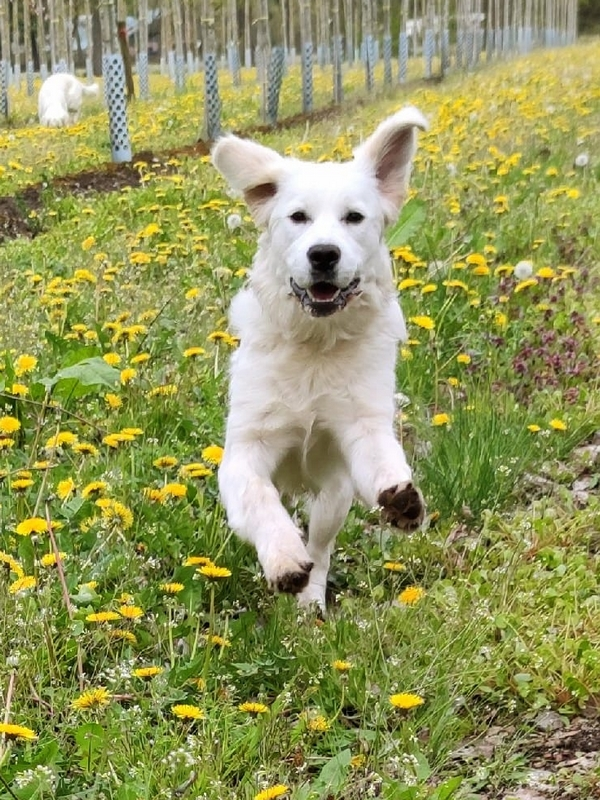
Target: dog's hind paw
point(402, 506)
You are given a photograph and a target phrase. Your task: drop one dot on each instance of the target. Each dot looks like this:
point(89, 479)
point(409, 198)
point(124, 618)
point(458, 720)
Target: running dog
point(312, 384)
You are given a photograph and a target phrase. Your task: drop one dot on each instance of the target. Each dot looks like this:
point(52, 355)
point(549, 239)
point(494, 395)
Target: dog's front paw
point(287, 571)
point(402, 506)
point(296, 580)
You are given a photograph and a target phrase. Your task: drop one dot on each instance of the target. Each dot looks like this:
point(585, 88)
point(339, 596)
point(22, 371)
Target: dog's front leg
point(256, 514)
point(381, 474)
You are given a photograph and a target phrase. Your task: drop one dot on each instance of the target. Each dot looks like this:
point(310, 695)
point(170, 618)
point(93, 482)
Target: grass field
point(131, 667)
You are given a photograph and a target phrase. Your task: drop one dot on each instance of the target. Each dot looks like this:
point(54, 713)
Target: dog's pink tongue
point(323, 291)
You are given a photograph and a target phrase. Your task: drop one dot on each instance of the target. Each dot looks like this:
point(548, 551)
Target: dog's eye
point(299, 216)
point(353, 217)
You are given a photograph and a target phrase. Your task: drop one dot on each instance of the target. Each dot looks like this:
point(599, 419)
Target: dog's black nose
point(323, 257)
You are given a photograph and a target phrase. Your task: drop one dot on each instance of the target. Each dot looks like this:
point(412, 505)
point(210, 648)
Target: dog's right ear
point(252, 169)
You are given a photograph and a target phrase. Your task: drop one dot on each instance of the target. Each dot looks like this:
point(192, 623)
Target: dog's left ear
point(388, 154)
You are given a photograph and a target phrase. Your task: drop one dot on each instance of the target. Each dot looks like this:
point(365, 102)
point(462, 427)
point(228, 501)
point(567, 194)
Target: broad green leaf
point(411, 219)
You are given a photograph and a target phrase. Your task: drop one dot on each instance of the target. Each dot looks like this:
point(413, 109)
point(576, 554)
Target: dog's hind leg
point(256, 514)
point(328, 510)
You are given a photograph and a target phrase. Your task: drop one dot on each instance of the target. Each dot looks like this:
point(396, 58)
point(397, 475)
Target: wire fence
point(181, 37)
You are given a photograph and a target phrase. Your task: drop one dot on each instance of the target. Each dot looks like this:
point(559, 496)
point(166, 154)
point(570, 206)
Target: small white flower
point(234, 221)
point(582, 160)
point(452, 169)
point(523, 270)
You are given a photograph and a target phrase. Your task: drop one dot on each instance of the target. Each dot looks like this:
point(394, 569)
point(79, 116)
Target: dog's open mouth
point(322, 298)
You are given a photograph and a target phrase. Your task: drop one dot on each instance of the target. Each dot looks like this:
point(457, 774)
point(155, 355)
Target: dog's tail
point(90, 91)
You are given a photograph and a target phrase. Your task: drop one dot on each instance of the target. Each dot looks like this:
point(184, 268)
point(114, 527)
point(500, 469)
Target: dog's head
point(324, 222)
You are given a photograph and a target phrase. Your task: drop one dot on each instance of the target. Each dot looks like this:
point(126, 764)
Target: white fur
point(60, 98)
point(312, 398)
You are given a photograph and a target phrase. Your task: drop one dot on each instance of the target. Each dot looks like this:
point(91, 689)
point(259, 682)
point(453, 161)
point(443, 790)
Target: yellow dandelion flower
point(131, 612)
point(120, 635)
point(31, 525)
point(428, 288)
point(127, 375)
point(171, 588)
point(358, 760)
point(65, 488)
point(93, 698)
point(406, 701)
point(19, 389)
point(557, 424)
point(534, 428)
point(25, 364)
point(165, 390)
point(318, 724)
point(154, 495)
point(454, 382)
point(476, 259)
point(114, 511)
point(411, 595)
point(341, 666)
point(213, 572)
point(197, 561)
point(423, 321)
point(102, 616)
point(272, 792)
point(223, 336)
point(112, 359)
point(147, 672)
point(463, 358)
point(20, 484)
point(10, 731)
point(174, 490)
point(440, 419)
point(409, 283)
point(113, 401)
point(94, 489)
point(12, 564)
point(195, 470)
point(140, 358)
point(50, 559)
point(22, 584)
point(9, 425)
point(394, 566)
point(88, 243)
point(254, 708)
point(213, 454)
point(165, 462)
point(193, 352)
point(132, 432)
point(86, 449)
point(546, 272)
point(219, 641)
point(185, 711)
point(482, 271)
point(61, 439)
point(191, 294)
point(525, 285)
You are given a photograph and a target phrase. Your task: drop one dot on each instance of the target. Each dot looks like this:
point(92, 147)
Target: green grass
point(502, 381)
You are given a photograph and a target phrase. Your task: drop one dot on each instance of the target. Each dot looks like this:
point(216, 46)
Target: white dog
point(60, 98)
point(312, 384)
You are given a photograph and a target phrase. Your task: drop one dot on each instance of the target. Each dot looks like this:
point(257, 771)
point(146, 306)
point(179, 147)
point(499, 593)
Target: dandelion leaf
point(82, 378)
point(412, 217)
point(333, 775)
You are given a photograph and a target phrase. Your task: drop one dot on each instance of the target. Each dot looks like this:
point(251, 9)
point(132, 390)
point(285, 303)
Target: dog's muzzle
point(323, 299)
